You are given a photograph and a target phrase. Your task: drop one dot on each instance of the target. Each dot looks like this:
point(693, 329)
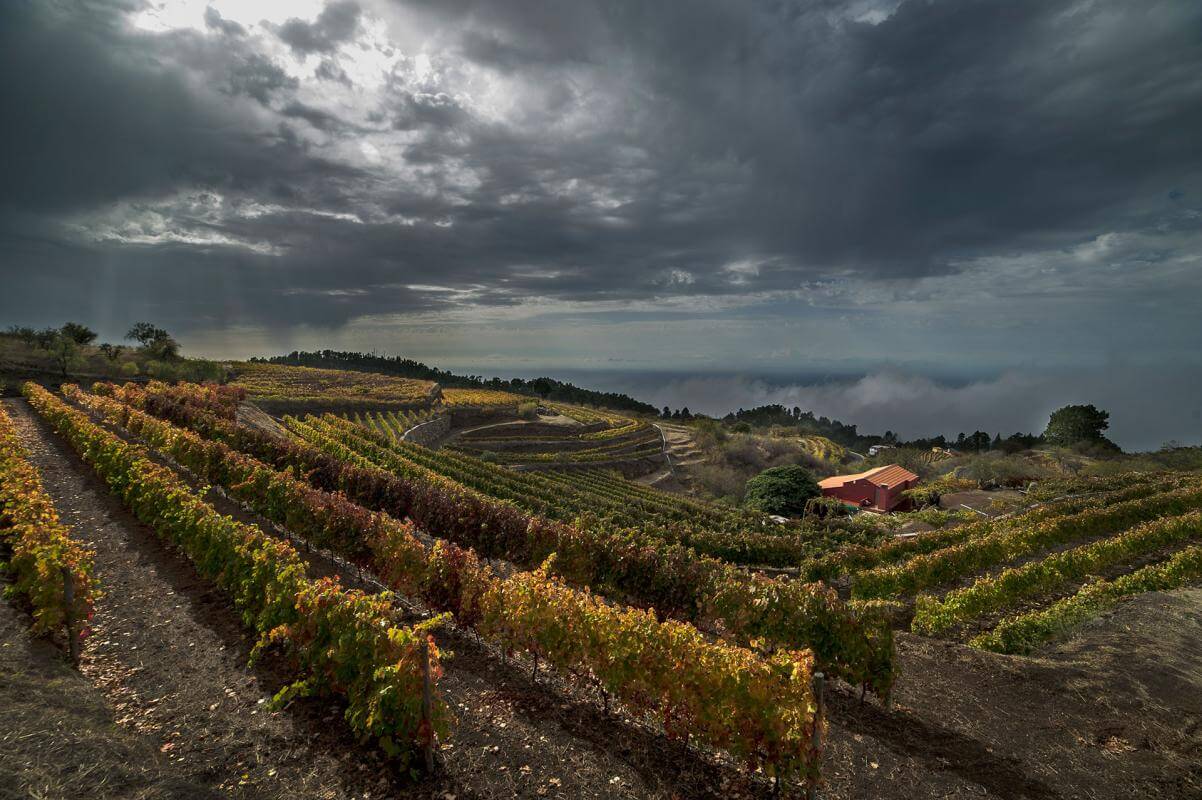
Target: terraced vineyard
point(393, 424)
point(279, 389)
point(594, 498)
point(1011, 584)
point(637, 598)
point(824, 449)
point(592, 437)
point(641, 442)
point(544, 610)
point(482, 398)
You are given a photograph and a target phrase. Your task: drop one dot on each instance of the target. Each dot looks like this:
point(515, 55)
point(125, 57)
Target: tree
point(782, 490)
point(156, 341)
point(667, 413)
point(46, 337)
point(64, 350)
point(1072, 425)
point(80, 334)
point(164, 347)
point(111, 351)
point(26, 334)
point(144, 333)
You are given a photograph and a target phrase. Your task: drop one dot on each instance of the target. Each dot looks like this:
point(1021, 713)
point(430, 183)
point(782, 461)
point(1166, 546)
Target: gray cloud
point(929, 173)
point(214, 21)
point(337, 23)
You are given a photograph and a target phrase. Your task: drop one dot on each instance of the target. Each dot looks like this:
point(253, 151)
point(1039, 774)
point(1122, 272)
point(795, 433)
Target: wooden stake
point(69, 603)
point(427, 706)
point(819, 715)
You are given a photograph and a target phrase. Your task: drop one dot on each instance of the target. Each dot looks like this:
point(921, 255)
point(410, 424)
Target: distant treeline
point(558, 391)
point(544, 388)
point(806, 423)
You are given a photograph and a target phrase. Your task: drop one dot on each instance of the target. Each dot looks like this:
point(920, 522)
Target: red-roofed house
point(879, 488)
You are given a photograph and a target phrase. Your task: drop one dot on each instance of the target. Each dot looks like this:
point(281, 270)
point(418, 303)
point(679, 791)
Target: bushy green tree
point(64, 351)
point(144, 333)
point(1076, 425)
point(782, 490)
point(80, 334)
point(156, 341)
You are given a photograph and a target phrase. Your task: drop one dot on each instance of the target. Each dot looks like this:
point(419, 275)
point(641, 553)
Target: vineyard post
point(819, 715)
point(427, 715)
point(69, 615)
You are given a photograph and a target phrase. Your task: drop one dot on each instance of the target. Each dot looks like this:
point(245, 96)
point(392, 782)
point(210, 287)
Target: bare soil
point(1112, 713)
point(992, 502)
point(58, 737)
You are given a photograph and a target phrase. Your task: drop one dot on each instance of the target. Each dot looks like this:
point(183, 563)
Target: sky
point(998, 192)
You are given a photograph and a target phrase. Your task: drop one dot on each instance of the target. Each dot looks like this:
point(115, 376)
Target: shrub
point(1001, 470)
point(782, 490)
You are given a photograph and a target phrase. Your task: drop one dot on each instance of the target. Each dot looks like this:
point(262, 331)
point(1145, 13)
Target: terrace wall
point(429, 433)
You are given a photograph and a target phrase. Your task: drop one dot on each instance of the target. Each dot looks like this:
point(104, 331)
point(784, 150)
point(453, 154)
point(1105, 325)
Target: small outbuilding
point(879, 489)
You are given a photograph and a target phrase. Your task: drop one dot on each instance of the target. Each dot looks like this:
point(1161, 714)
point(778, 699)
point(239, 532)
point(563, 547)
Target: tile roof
point(890, 475)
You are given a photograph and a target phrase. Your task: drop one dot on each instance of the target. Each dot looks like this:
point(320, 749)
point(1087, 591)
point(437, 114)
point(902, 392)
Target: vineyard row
point(857, 647)
point(340, 641)
point(43, 555)
point(758, 708)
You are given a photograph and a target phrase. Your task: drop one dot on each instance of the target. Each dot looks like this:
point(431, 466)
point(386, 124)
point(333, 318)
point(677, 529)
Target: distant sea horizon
point(1149, 405)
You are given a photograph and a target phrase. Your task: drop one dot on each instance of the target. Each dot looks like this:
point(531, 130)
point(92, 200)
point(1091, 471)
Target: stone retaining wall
point(429, 433)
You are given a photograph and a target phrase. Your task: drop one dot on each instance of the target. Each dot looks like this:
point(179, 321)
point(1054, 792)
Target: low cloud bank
point(1148, 406)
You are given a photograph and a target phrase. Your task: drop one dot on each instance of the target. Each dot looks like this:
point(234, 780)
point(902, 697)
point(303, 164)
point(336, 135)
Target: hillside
point(21, 358)
point(284, 389)
point(512, 523)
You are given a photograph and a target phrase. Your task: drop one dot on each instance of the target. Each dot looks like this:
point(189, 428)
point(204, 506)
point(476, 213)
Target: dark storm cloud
point(337, 23)
point(945, 131)
point(634, 150)
point(214, 21)
point(91, 119)
point(255, 76)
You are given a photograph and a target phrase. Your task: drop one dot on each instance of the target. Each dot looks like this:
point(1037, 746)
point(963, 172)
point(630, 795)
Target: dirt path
point(680, 444)
point(57, 735)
